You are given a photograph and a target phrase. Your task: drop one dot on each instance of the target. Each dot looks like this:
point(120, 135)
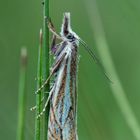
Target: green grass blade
point(38, 96)
point(22, 95)
point(45, 64)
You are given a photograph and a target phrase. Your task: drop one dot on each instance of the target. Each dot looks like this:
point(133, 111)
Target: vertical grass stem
point(39, 95)
point(46, 62)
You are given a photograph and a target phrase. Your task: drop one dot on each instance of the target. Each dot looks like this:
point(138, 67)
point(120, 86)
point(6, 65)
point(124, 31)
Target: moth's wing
point(53, 70)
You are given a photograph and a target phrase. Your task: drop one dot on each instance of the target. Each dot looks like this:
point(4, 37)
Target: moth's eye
point(70, 36)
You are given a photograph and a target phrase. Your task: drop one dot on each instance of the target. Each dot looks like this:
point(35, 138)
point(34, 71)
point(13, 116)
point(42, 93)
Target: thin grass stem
point(45, 65)
point(39, 95)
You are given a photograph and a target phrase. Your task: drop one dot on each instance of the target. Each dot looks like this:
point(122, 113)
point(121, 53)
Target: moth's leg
point(53, 44)
point(55, 48)
point(52, 29)
point(45, 83)
point(51, 92)
point(55, 67)
point(34, 107)
point(44, 109)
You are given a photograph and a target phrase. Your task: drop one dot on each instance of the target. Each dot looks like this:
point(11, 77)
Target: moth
point(63, 94)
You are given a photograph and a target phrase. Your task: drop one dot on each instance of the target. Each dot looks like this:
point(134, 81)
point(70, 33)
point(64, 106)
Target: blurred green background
point(99, 117)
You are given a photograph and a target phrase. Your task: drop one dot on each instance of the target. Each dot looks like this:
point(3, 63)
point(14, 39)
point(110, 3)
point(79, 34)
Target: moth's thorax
point(69, 48)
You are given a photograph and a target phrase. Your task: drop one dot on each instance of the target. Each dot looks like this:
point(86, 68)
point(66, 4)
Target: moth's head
point(66, 30)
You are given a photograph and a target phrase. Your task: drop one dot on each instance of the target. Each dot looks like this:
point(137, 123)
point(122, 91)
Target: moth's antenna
point(94, 57)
